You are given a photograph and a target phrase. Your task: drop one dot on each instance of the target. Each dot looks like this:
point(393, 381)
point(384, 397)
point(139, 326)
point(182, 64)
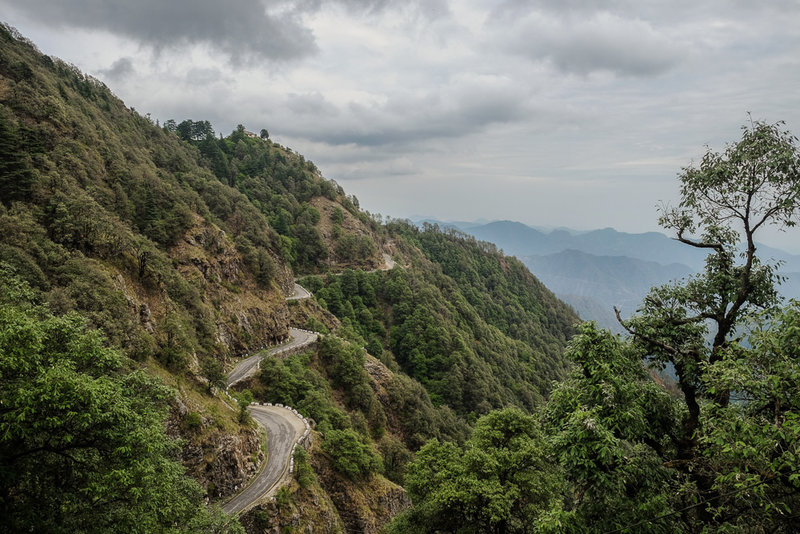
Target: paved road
point(299, 293)
point(283, 430)
point(283, 427)
point(249, 366)
point(390, 263)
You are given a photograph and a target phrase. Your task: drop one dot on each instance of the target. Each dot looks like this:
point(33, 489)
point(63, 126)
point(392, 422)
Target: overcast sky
point(571, 113)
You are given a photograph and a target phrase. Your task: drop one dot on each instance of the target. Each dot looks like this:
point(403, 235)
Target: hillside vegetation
point(171, 249)
point(448, 390)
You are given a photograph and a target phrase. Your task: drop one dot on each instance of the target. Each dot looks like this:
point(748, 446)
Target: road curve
point(284, 428)
point(389, 263)
point(248, 366)
point(299, 293)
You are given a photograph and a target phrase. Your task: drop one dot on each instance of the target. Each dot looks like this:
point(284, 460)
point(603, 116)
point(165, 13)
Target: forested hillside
point(470, 324)
point(447, 389)
point(162, 253)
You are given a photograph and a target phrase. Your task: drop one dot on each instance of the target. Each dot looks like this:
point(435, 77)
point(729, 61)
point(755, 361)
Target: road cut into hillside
point(284, 429)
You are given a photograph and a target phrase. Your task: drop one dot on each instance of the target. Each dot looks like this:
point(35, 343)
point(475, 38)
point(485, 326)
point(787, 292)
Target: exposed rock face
point(222, 463)
point(232, 464)
point(249, 316)
point(366, 506)
point(310, 512)
point(301, 311)
point(240, 313)
point(349, 225)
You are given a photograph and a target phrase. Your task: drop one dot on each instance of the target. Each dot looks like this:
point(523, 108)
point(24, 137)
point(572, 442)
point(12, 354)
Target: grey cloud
point(598, 42)
point(311, 104)
point(242, 29)
point(431, 9)
point(200, 76)
point(559, 6)
point(121, 68)
point(406, 120)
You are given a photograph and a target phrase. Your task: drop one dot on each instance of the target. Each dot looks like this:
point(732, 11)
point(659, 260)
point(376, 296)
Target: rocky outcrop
point(308, 313)
point(235, 460)
point(309, 511)
point(366, 506)
point(221, 462)
point(249, 316)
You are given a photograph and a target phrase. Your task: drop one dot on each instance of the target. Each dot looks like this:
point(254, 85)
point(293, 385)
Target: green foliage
point(350, 247)
point(16, 172)
point(395, 458)
point(290, 381)
point(282, 498)
point(82, 439)
point(211, 368)
point(608, 424)
point(757, 439)
point(500, 481)
point(193, 421)
point(417, 417)
point(244, 399)
point(349, 454)
point(344, 361)
point(462, 349)
point(303, 470)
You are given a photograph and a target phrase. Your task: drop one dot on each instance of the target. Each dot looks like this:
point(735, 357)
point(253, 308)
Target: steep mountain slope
point(179, 246)
point(471, 325)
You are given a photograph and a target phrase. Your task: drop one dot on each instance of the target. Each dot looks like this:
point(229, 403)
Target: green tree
point(213, 372)
point(609, 425)
point(349, 454)
point(500, 481)
point(695, 461)
point(304, 472)
point(757, 438)
point(244, 399)
point(725, 201)
point(82, 440)
point(16, 178)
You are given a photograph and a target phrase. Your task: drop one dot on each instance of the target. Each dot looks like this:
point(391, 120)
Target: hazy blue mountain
point(521, 240)
point(598, 269)
point(789, 263)
point(790, 288)
point(607, 280)
point(589, 309)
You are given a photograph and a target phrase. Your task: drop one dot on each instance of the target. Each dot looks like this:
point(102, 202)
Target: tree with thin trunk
point(725, 202)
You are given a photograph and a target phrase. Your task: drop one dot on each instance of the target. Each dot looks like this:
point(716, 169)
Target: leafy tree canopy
point(82, 440)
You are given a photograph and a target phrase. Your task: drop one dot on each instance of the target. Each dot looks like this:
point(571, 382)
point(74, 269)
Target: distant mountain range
point(585, 281)
point(593, 271)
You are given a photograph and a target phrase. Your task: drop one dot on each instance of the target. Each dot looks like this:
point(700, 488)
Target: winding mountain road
point(249, 366)
point(283, 428)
